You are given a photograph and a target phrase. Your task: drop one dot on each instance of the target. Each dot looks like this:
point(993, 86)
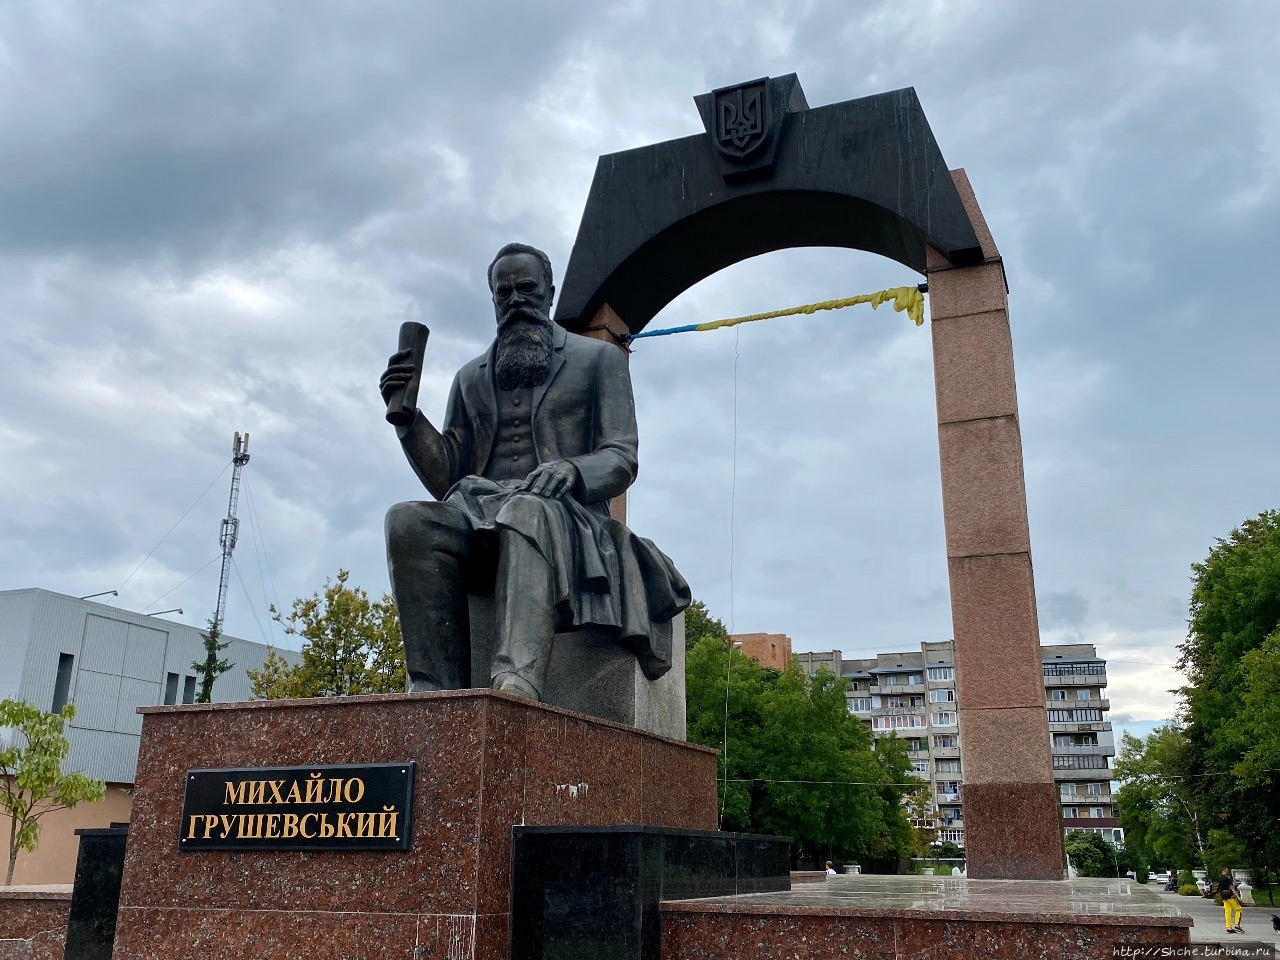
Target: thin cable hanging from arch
point(733, 502)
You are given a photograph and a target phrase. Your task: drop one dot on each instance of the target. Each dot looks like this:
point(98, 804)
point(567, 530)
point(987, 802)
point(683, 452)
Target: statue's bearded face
point(522, 304)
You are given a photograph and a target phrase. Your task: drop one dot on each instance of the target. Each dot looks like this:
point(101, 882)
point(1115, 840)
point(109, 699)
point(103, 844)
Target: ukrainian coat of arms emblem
point(742, 118)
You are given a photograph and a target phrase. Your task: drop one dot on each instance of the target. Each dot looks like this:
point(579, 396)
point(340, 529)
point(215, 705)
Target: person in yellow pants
point(1230, 895)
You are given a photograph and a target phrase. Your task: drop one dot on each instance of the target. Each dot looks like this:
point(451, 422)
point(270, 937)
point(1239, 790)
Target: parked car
point(1161, 877)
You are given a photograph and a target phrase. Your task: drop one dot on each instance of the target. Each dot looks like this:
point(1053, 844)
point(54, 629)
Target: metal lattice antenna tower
point(231, 525)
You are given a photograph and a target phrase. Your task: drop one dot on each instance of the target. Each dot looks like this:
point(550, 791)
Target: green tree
point(1091, 855)
point(1159, 808)
point(211, 667)
point(1235, 608)
point(795, 761)
point(699, 623)
point(32, 783)
point(351, 646)
point(1258, 826)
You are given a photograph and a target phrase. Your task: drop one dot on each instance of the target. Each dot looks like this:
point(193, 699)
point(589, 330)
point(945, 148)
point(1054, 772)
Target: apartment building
point(914, 695)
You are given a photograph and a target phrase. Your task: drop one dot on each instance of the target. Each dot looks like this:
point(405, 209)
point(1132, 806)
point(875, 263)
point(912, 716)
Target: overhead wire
point(216, 557)
point(174, 527)
point(252, 606)
point(260, 550)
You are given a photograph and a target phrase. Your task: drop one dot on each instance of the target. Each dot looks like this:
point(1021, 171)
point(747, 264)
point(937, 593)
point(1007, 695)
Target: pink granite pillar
point(1013, 827)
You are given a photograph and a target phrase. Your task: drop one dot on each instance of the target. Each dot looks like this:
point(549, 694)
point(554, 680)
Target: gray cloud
point(213, 218)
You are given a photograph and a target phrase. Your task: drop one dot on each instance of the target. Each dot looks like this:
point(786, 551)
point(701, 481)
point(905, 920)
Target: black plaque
point(355, 806)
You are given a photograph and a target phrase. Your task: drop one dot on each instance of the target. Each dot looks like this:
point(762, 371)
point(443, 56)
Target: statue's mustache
point(523, 314)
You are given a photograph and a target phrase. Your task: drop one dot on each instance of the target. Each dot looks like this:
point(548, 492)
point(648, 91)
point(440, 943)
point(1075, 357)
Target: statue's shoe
point(420, 686)
point(515, 684)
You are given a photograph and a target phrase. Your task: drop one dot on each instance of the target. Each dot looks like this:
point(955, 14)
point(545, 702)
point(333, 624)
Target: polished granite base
point(95, 896)
point(593, 892)
point(485, 761)
point(914, 918)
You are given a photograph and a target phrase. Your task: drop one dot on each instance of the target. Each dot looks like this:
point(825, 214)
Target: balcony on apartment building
point(1052, 679)
point(1090, 822)
point(1078, 749)
point(1085, 799)
point(1078, 704)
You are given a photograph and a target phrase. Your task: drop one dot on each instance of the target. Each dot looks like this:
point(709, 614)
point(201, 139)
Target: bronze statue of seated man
point(539, 435)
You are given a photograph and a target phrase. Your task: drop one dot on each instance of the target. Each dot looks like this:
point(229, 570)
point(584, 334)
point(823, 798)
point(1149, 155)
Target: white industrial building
point(56, 649)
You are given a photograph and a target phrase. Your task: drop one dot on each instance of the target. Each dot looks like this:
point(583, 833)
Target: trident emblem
point(740, 112)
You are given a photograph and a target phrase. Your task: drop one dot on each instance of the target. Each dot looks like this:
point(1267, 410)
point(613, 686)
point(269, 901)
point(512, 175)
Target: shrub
point(1186, 877)
point(1188, 890)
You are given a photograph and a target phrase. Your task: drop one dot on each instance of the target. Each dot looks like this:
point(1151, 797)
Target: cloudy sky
point(214, 216)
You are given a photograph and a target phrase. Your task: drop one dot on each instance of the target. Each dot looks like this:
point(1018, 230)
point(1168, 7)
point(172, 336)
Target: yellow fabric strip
point(908, 299)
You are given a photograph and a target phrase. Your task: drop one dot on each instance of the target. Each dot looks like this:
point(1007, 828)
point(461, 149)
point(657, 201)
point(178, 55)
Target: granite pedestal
point(924, 918)
point(591, 673)
point(485, 761)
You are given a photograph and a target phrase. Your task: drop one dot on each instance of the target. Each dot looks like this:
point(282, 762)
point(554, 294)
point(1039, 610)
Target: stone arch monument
point(770, 173)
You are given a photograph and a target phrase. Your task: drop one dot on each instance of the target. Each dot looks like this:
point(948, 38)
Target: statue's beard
point(523, 354)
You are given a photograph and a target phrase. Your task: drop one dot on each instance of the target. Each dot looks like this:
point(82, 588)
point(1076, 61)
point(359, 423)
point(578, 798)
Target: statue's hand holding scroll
point(399, 382)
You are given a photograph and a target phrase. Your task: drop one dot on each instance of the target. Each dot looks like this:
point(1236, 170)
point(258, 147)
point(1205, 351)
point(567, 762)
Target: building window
point(915, 679)
point(942, 696)
point(1083, 693)
point(899, 722)
point(915, 744)
point(948, 766)
point(945, 740)
point(1085, 762)
point(1072, 812)
point(1067, 789)
point(62, 685)
point(1075, 669)
point(1057, 694)
point(939, 673)
point(171, 688)
point(949, 789)
point(921, 767)
point(896, 702)
point(1074, 716)
point(1097, 812)
point(189, 690)
point(860, 705)
point(945, 719)
point(1099, 789)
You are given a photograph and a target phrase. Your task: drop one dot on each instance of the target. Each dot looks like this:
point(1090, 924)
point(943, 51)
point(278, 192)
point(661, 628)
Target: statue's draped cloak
point(605, 575)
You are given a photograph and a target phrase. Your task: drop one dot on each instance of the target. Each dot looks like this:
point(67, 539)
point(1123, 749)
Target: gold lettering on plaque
point(326, 828)
point(302, 826)
point(346, 791)
point(235, 791)
point(290, 826)
point(294, 795)
point(315, 788)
